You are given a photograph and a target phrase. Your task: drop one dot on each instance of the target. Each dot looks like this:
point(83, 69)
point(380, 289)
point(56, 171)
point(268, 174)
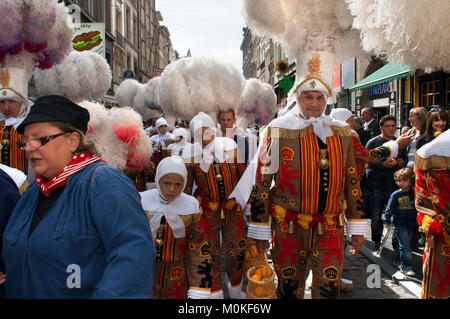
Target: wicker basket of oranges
point(253, 257)
point(261, 282)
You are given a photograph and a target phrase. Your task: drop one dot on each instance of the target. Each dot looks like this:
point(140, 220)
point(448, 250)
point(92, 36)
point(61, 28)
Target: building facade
point(260, 56)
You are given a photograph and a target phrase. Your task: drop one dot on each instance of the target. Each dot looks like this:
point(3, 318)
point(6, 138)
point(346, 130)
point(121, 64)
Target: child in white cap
point(173, 219)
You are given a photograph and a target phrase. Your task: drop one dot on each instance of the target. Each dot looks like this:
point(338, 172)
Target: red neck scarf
point(77, 163)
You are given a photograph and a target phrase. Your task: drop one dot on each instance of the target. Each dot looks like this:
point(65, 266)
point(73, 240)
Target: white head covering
point(217, 149)
point(182, 132)
point(159, 122)
point(341, 114)
point(173, 164)
point(200, 120)
point(157, 206)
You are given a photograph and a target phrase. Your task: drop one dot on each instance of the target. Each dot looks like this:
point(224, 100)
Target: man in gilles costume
point(14, 106)
point(310, 159)
point(215, 166)
point(432, 168)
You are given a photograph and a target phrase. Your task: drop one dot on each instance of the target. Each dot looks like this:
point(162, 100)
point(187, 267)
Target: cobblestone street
point(357, 268)
point(362, 271)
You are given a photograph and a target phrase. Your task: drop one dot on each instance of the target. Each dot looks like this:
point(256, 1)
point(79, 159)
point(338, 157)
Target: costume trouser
point(292, 253)
point(170, 281)
point(436, 270)
point(233, 236)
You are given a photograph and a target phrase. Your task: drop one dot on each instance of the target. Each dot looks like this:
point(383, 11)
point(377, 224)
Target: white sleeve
point(393, 146)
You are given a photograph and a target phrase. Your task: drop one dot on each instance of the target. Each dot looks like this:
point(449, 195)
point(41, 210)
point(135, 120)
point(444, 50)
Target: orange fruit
point(256, 277)
point(266, 272)
point(259, 272)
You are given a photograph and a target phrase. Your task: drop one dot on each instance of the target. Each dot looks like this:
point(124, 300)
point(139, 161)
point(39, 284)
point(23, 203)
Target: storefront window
point(429, 92)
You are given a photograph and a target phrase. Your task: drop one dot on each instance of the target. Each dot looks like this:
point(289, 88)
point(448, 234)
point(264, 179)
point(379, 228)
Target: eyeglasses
point(38, 141)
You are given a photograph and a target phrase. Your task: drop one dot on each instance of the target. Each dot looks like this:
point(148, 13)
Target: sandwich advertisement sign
point(89, 37)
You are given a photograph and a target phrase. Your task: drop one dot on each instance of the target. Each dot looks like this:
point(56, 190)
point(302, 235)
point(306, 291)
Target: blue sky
point(206, 27)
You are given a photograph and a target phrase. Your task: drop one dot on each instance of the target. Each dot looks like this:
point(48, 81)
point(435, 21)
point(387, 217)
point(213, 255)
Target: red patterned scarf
point(77, 163)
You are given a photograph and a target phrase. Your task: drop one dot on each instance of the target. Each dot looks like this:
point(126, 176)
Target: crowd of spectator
point(384, 192)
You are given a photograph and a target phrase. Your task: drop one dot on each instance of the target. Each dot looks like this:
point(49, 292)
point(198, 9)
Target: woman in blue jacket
point(80, 230)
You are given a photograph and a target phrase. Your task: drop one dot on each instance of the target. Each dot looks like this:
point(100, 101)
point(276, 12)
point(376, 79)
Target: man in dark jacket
point(370, 122)
point(227, 120)
point(380, 177)
point(357, 125)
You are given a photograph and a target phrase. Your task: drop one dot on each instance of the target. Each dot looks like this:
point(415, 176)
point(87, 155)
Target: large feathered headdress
point(34, 33)
point(143, 98)
point(81, 76)
point(413, 33)
point(200, 84)
point(258, 104)
point(119, 136)
point(306, 28)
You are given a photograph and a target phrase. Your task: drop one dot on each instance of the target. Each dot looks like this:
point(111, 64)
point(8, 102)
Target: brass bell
point(159, 242)
point(291, 227)
point(324, 163)
point(320, 228)
point(219, 177)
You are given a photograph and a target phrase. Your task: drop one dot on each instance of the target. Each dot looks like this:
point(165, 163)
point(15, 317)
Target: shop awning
point(387, 73)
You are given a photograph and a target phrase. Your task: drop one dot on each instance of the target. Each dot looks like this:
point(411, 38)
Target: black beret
point(56, 108)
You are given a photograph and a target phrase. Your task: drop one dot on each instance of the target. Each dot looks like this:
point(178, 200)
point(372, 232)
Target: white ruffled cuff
point(198, 293)
point(393, 146)
point(217, 295)
point(259, 231)
point(357, 227)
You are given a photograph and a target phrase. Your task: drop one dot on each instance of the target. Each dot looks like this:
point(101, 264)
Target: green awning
point(387, 73)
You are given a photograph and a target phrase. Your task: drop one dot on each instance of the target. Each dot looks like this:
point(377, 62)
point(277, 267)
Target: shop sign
point(379, 89)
